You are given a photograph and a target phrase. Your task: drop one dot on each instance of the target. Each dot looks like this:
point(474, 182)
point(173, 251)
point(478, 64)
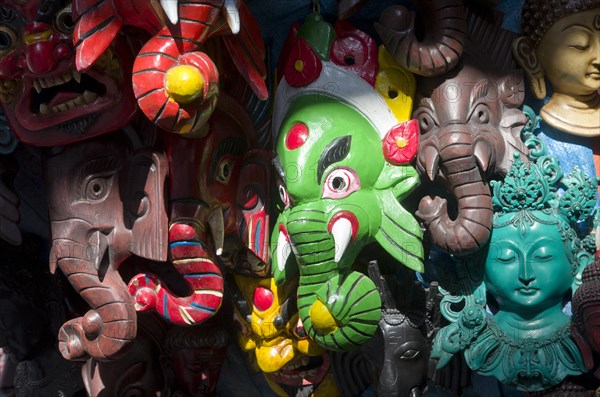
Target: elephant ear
point(145, 210)
point(401, 179)
point(400, 234)
point(283, 261)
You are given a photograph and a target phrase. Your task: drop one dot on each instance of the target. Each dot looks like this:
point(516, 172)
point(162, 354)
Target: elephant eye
point(340, 183)
point(97, 188)
point(426, 122)
point(410, 354)
point(283, 196)
point(224, 170)
point(481, 114)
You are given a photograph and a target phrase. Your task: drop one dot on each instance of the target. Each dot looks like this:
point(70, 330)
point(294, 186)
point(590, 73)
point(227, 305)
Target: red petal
point(401, 155)
point(356, 51)
point(303, 66)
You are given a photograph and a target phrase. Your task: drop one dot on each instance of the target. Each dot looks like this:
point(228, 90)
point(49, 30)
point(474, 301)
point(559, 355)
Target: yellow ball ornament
point(184, 83)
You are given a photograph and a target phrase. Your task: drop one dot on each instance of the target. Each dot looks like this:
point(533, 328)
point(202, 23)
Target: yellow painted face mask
point(288, 358)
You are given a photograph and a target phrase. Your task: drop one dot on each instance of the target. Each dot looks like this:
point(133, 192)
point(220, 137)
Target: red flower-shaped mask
point(401, 143)
point(303, 66)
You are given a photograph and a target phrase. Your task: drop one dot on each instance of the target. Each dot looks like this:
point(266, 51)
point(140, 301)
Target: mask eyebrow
point(336, 150)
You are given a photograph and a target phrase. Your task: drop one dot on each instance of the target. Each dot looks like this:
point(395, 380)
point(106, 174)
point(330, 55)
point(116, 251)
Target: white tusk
point(232, 15)
point(170, 8)
point(342, 233)
point(283, 251)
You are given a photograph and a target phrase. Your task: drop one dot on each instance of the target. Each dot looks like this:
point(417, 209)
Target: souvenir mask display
point(533, 261)
point(343, 161)
point(356, 191)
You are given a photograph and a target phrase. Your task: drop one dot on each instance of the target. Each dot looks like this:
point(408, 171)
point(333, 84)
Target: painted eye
point(340, 183)
point(263, 298)
point(410, 354)
point(283, 196)
point(63, 21)
point(97, 188)
point(8, 39)
point(481, 114)
point(224, 170)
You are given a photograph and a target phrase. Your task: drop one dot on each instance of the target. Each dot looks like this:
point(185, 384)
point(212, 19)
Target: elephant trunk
point(110, 326)
point(189, 255)
point(473, 224)
point(443, 45)
point(340, 309)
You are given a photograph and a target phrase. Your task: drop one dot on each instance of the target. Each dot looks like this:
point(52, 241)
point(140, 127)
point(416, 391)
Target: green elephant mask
point(340, 193)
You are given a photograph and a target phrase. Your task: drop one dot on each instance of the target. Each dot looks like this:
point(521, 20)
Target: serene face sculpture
point(564, 47)
point(292, 363)
point(534, 259)
point(46, 99)
point(106, 202)
point(528, 276)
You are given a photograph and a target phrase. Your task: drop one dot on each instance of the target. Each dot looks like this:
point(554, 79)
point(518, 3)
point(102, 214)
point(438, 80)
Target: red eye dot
point(263, 298)
point(296, 136)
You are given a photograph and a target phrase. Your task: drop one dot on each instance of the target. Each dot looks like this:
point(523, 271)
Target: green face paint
point(340, 194)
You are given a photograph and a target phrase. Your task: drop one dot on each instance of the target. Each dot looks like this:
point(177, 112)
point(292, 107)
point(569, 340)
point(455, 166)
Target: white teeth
point(170, 8)
point(312, 372)
point(342, 233)
point(38, 84)
point(89, 96)
point(305, 360)
point(72, 104)
point(283, 251)
point(232, 15)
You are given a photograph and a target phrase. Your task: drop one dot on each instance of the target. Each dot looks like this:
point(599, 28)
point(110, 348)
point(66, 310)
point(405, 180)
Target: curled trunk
point(443, 44)
point(473, 224)
point(110, 326)
point(349, 298)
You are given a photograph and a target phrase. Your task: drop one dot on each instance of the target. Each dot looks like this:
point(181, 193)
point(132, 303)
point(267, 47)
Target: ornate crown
point(534, 186)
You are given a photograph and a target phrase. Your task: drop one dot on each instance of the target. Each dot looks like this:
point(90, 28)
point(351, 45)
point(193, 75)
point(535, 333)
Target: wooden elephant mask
point(106, 203)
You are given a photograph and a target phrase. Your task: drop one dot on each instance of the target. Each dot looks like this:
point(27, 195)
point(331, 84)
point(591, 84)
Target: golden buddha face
point(569, 53)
